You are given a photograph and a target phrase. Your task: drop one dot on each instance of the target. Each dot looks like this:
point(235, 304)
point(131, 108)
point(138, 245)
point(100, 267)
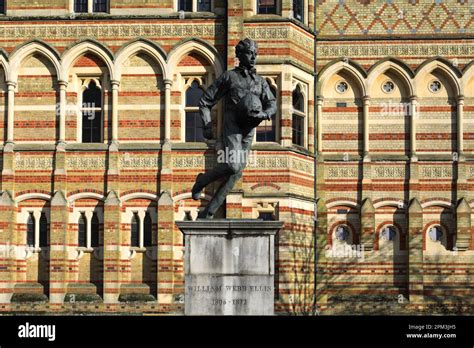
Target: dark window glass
point(2, 7)
point(99, 6)
point(266, 131)
point(298, 10)
point(298, 130)
point(80, 6)
point(148, 230)
point(95, 231)
point(30, 230)
point(193, 127)
point(43, 231)
point(267, 6)
point(81, 230)
point(92, 114)
point(134, 241)
point(185, 5)
point(193, 94)
point(298, 99)
point(204, 5)
point(266, 216)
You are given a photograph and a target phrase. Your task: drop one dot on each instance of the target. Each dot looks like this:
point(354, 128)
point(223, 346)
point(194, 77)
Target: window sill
point(138, 249)
point(85, 249)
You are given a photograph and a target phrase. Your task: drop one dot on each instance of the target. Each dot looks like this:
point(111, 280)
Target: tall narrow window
point(266, 131)
point(148, 230)
point(81, 231)
point(193, 129)
point(99, 6)
point(2, 6)
point(266, 6)
point(204, 5)
point(30, 230)
point(92, 114)
point(43, 230)
point(298, 117)
point(80, 6)
point(298, 10)
point(134, 231)
point(95, 231)
point(185, 5)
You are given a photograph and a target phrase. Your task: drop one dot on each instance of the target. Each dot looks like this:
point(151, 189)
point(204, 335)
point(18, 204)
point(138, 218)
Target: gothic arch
point(400, 69)
point(352, 68)
point(445, 67)
point(138, 46)
point(87, 46)
point(28, 49)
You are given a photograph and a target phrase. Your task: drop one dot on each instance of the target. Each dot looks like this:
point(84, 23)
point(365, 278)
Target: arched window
point(134, 231)
point(92, 114)
point(267, 6)
point(81, 231)
point(298, 118)
point(43, 231)
point(193, 121)
point(343, 233)
point(388, 233)
point(148, 230)
point(95, 231)
point(266, 131)
point(298, 10)
point(30, 230)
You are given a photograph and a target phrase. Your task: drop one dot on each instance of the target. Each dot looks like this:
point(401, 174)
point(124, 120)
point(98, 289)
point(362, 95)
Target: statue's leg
point(221, 194)
point(237, 168)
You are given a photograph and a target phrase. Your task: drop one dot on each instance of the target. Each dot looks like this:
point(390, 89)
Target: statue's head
point(247, 50)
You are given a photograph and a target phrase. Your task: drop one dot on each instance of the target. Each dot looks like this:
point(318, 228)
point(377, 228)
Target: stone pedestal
point(229, 266)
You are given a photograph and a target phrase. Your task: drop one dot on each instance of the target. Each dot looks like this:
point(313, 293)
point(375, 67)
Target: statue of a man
point(248, 101)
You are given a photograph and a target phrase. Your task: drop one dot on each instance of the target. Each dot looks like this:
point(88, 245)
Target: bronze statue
point(248, 101)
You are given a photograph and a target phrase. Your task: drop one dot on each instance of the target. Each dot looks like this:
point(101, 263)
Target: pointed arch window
point(30, 230)
point(298, 118)
point(82, 231)
point(43, 231)
point(95, 231)
point(134, 231)
point(92, 113)
point(193, 131)
point(148, 230)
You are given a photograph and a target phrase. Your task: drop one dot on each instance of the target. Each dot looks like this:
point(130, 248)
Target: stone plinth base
point(229, 266)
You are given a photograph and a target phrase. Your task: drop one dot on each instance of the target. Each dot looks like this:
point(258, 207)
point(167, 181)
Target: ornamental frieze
point(341, 172)
point(85, 163)
point(100, 31)
point(135, 162)
point(388, 172)
point(371, 50)
point(32, 163)
point(436, 172)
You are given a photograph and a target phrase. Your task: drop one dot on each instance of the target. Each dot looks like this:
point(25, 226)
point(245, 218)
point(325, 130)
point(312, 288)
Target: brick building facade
point(372, 147)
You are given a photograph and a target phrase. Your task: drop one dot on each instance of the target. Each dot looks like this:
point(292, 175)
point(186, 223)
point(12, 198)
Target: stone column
point(319, 110)
point(58, 253)
point(141, 216)
point(413, 117)
point(112, 250)
point(368, 225)
point(89, 215)
point(62, 111)
point(10, 111)
point(229, 266)
point(168, 85)
point(460, 128)
point(115, 93)
point(463, 224)
point(415, 250)
point(366, 103)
